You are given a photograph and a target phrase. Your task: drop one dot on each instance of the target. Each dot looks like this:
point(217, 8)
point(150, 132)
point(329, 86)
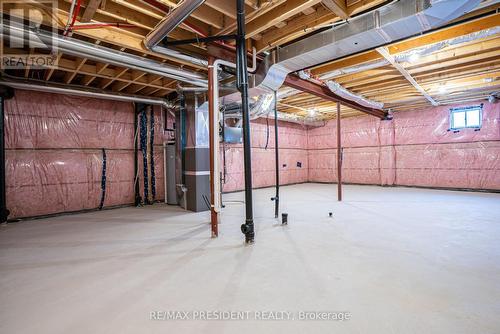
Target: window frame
point(466, 110)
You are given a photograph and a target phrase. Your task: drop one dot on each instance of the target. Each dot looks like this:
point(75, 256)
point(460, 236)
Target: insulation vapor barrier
point(54, 153)
point(292, 155)
point(415, 149)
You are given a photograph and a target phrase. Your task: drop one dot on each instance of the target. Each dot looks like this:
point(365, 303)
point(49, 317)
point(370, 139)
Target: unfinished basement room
point(250, 166)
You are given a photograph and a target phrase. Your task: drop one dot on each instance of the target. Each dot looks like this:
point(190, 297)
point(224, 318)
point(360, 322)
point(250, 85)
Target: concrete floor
point(399, 260)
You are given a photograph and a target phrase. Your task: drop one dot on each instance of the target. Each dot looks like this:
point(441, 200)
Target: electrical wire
point(103, 179)
point(267, 131)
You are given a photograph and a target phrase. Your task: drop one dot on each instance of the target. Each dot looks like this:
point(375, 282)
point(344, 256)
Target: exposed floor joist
point(385, 53)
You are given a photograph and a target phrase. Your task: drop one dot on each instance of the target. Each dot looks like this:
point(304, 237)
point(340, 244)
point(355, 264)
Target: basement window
point(466, 117)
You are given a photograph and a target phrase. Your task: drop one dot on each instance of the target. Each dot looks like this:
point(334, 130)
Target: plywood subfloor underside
point(399, 260)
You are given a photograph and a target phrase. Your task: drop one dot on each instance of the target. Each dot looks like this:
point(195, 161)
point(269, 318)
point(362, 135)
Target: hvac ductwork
point(71, 46)
point(42, 86)
point(405, 56)
point(167, 25)
point(263, 106)
point(398, 20)
point(341, 91)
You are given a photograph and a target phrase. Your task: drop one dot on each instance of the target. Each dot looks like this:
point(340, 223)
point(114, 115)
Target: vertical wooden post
point(214, 219)
point(339, 156)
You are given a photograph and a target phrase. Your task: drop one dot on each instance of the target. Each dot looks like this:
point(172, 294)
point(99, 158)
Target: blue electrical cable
point(143, 138)
point(152, 159)
point(103, 179)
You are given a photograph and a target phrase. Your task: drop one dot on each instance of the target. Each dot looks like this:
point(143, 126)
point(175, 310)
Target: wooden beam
point(226, 7)
point(90, 10)
point(339, 7)
point(264, 8)
point(385, 53)
point(325, 93)
point(118, 74)
point(50, 71)
point(298, 26)
point(70, 76)
point(277, 15)
point(119, 37)
point(211, 16)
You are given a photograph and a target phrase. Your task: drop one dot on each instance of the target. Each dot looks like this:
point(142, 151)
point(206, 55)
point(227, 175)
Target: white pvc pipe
point(215, 91)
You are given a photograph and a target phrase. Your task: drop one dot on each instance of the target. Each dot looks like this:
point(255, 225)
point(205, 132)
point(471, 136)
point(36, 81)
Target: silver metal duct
point(98, 53)
point(41, 86)
point(345, 93)
point(179, 55)
point(287, 117)
point(395, 21)
point(171, 21)
point(398, 20)
point(406, 56)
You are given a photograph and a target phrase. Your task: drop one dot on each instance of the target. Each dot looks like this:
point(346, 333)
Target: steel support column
point(242, 75)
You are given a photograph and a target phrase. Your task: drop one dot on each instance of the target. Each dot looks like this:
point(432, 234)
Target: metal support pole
point(4, 213)
point(339, 156)
point(211, 116)
point(276, 152)
point(242, 76)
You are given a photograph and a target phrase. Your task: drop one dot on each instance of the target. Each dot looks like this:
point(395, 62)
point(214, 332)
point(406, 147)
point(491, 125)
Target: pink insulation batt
point(54, 158)
point(414, 149)
point(292, 150)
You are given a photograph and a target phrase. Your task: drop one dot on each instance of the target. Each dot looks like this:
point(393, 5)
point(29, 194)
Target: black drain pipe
point(277, 158)
point(242, 76)
point(5, 93)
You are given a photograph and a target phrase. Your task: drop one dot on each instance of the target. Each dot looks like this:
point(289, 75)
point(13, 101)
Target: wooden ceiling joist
point(277, 15)
point(338, 7)
point(469, 71)
point(90, 10)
